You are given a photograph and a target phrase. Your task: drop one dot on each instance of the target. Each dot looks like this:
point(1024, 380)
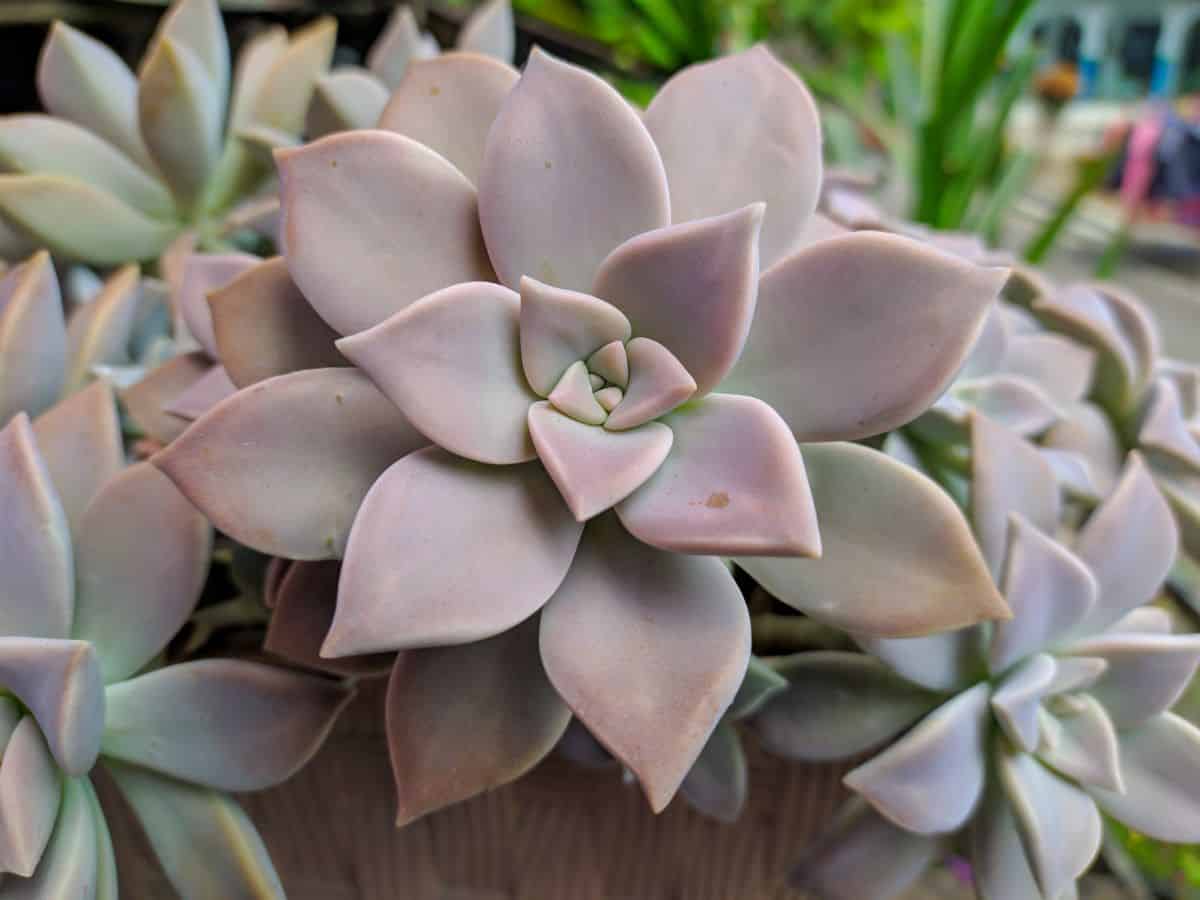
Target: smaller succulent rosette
point(47, 353)
point(1140, 400)
point(100, 565)
point(1010, 739)
point(352, 97)
point(121, 164)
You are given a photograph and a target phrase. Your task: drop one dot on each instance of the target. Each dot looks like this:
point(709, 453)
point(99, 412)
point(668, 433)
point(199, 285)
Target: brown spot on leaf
point(434, 91)
point(719, 500)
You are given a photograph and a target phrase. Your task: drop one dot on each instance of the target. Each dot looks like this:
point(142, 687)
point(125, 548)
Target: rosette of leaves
point(1139, 399)
point(46, 355)
point(100, 565)
point(122, 164)
point(352, 97)
point(573, 393)
point(1006, 742)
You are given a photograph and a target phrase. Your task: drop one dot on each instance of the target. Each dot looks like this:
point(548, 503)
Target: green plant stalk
point(1091, 174)
point(1116, 247)
point(1012, 183)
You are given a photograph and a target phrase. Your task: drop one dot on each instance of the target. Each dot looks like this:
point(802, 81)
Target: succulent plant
point(99, 567)
point(587, 461)
point(1011, 738)
point(351, 97)
point(121, 165)
point(46, 355)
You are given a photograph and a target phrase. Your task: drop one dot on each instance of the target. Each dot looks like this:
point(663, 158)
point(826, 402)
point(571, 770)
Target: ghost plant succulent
point(352, 97)
point(122, 164)
point(1009, 739)
point(573, 393)
point(45, 355)
point(100, 565)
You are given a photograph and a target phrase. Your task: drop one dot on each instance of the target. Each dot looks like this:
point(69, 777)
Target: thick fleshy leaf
point(490, 30)
point(197, 25)
point(1082, 744)
point(1056, 364)
point(80, 443)
point(465, 719)
point(344, 100)
point(999, 862)
point(561, 327)
point(594, 468)
point(449, 103)
point(81, 221)
point(1143, 620)
point(648, 649)
point(44, 145)
point(101, 332)
point(733, 484)
point(1087, 432)
point(83, 80)
point(1160, 766)
point(691, 287)
point(68, 867)
point(451, 363)
point(36, 570)
point(931, 779)
point(147, 401)
point(258, 54)
point(611, 362)
point(1146, 673)
point(507, 527)
point(1164, 432)
point(1059, 824)
point(573, 396)
point(30, 789)
point(106, 857)
point(398, 45)
point(1049, 590)
point(180, 110)
point(141, 557)
point(759, 685)
point(1017, 700)
point(1013, 401)
point(658, 383)
point(990, 347)
point(911, 312)
point(1008, 477)
point(862, 854)
point(569, 172)
point(302, 610)
point(329, 430)
point(265, 327)
point(838, 705)
point(207, 846)
point(941, 662)
point(287, 87)
point(716, 785)
point(741, 129)
point(374, 221)
point(33, 338)
point(204, 273)
point(203, 394)
point(202, 721)
point(898, 559)
point(59, 682)
point(1129, 563)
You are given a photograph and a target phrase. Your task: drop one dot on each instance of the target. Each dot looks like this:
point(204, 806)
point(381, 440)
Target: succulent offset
point(123, 164)
point(561, 390)
point(100, 565)
point(352, 97)
point(1007, 741)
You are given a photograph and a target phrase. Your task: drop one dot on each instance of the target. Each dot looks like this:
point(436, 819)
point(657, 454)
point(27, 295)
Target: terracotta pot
point(561, 833)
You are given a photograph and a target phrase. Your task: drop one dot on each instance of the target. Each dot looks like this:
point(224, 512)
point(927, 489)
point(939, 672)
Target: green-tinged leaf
point(287, 88)
point(206, 844)
point(82, 80)
point(43, 145)
point(256, 59)
point(837, 705)
point(197, 25)
point(180, 114)
point(68, 868)
point(33, 338)
point(80, 221)
point(760, 684)
point(717, 782)
point(106, 860)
